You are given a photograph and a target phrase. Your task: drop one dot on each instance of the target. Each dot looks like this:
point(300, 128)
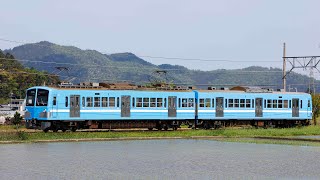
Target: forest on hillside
point(15, 78)
point(94, 66)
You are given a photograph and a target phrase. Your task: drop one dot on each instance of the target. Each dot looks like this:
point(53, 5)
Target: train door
point(259, 107)
point(125, 106)
point(74, 105)
point(295, 107)
point(172, 106)
point(219, 107)
point(54, 106)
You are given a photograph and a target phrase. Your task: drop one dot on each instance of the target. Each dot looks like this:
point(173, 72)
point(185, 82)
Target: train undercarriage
point(91, 124)
point(160, 124)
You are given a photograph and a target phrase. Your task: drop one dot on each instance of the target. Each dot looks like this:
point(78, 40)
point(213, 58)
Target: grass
point(9, 134)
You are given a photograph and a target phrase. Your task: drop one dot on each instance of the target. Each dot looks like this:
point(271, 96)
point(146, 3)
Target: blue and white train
point(63, 108)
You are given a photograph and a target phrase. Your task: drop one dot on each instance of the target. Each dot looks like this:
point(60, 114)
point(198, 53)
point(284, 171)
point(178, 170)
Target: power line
point(45, 74)
point(85, 65)
point(197, 59)
point(124, 67)
point(7, 40)
point(157, 57)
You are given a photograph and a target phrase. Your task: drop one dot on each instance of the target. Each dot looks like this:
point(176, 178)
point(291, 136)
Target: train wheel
point(46, 130)
point(150, 129)
point(73, 129)
point(206, 126)
point(55, 130)
point(165, 128)
point(64, 130)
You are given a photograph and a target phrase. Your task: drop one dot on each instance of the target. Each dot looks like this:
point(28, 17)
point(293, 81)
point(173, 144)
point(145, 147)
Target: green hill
point(15, 79)
point(91, 65)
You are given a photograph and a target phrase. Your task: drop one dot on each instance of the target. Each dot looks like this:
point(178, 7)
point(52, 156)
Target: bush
point(8, 120)
point(22, 135)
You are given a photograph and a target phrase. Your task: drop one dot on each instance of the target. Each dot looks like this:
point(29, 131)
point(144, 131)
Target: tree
point(17, 119)
point(315, 107)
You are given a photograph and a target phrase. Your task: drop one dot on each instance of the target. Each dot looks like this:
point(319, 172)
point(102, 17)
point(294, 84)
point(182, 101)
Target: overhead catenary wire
point(155, 57)
point(198, 59)
point(233, 71)
point(122, 67)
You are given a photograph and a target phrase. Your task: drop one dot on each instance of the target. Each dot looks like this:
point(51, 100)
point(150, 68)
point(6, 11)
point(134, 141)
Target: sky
point(245, 32)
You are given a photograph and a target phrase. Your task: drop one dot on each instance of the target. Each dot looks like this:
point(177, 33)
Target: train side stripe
point(179, 110)
point(60, 110)
point(148, 110)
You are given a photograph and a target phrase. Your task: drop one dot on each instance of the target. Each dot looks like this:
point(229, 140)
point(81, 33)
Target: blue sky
point(237, 30)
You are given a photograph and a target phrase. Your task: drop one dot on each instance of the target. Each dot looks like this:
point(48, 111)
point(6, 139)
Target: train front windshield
point(39, 99)
point(42, 97)
point(31, 95)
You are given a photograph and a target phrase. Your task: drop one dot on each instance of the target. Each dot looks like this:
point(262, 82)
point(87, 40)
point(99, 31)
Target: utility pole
point(303, 62)
point(284, 67)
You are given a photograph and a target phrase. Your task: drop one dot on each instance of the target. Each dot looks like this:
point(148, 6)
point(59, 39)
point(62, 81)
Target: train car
point(257, 108)
point(69, 108)
point(76, 107)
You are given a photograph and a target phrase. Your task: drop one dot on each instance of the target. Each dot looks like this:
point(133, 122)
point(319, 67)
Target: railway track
point(100, 130)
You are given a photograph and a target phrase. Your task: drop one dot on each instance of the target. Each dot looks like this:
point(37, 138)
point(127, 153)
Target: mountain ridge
point(91, 65)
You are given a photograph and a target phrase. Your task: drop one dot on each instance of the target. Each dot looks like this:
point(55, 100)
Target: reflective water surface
point(158, 159)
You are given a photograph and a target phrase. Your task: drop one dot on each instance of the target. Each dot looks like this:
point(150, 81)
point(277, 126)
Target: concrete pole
point(284, 67)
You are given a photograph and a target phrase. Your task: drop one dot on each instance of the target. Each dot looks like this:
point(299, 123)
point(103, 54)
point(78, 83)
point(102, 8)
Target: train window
point(133, 101)
point(118, 101)
point(42, 97)
point(71, 101)
point(184, 102)
point(208, 102)
point(226, 103)
point(152, 102)
point(280, 104)
point(212, 102)
point(236, 103)
point(112, 102)
point(242, 103)
point(179, 102)
point(309, 103)
point(285, 103)
point(274, 103)
point(165, 102)
point(159, 102)
point(96, 101)
point(289, 103)
point(83, 102)
point(77, 101)
point(104, 101)
point(89, 101)
point(301, 104)
point(252, 104)
point(66, 102)
point(139, 102)
point(269, 103)
point(190, 102)
point(54, 101)
point(30, 97)
point(201, 103)
point(247, 103)
point(230, 103)
point(145, 102)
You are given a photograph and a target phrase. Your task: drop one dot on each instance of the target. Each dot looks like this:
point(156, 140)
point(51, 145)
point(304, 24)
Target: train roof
point(237, 90)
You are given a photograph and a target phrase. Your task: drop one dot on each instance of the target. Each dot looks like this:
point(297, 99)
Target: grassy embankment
point(7, 133)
